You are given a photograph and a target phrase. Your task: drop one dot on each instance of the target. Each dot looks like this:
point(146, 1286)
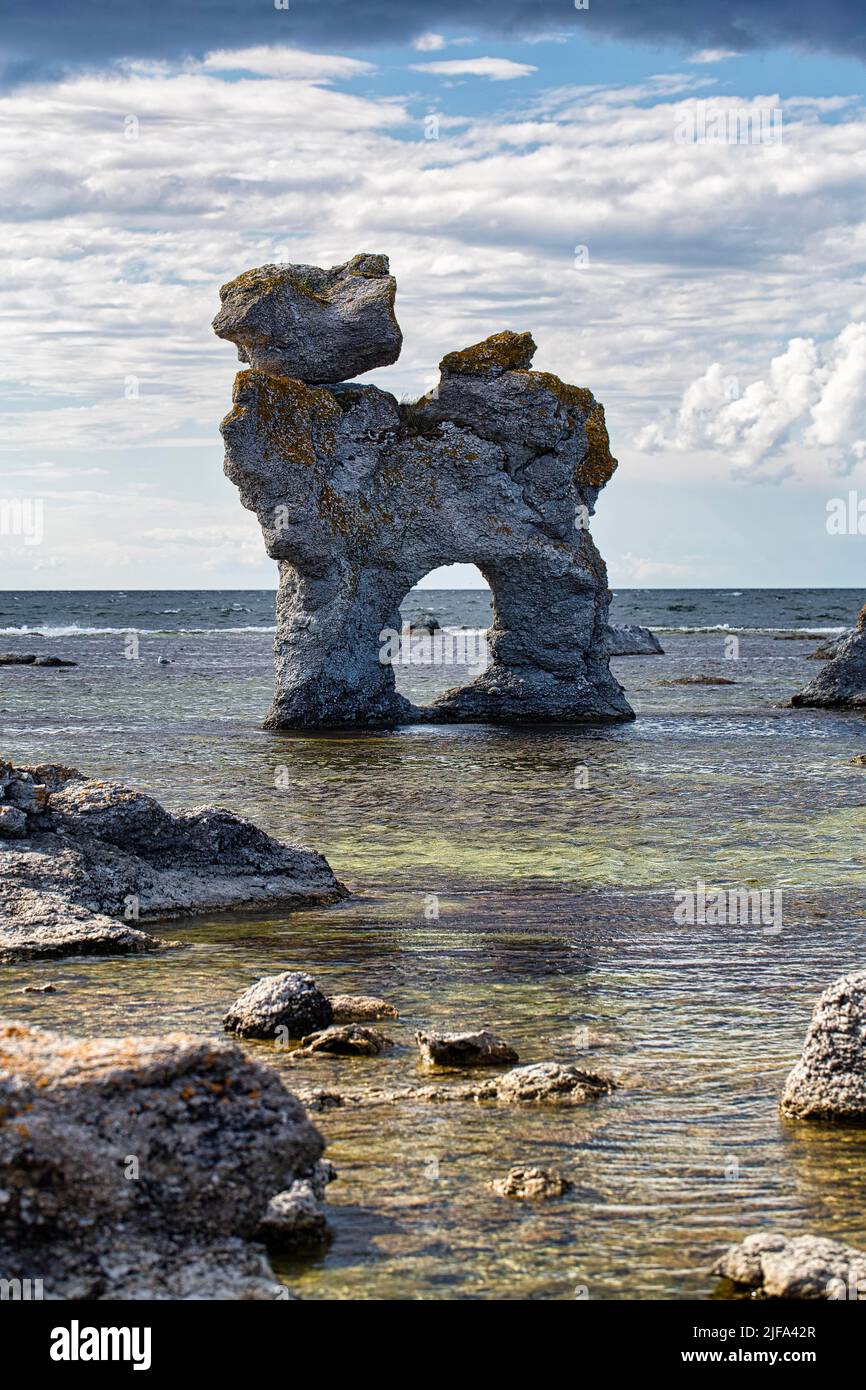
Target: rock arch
point(359, 497)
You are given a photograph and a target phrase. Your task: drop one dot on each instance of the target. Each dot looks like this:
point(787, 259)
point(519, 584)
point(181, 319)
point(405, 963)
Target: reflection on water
point(555, 928)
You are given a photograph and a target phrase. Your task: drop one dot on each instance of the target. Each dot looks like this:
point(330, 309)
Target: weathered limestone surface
point(810, 1267)
point(545, 1082)
point(531, 1184)
point(829, 1081)
point(83, 863)
point(316, 325)
point(359, 497)
point(841, 684)
point(142, 1167)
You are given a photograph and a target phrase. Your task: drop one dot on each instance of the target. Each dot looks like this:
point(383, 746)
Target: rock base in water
point(83, 863)
point(841, 684)
point(829, 1081)
point(809, 1267)
point(481, 1049)
point(531, 1184)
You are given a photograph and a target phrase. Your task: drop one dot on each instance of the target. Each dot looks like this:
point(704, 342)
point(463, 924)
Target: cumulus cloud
point(811, 398)
point(713, 55)
point(428, 42)
point(497, 69)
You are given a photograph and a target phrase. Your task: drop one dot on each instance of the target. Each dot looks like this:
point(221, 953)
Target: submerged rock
point(359, 497)
point(841, 684)
point(297, 1217)
point(481, 1049)
point(543, 1081)
point(531, 1184)
point(631, 640)
point(290, 1005)
point(15, 659)
point(361, 1008)
point(316, 325)
point(810, 1267)
point(83, 863)
point(829, 1081)
point(347, 1040)
point(698, 680)
point(142, 1167)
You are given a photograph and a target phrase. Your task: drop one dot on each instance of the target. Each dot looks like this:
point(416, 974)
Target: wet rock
point(321, 1101)
point(859, 760)
point(543, 1082)
point(481, 1049)
point(290, 1005)
point(347, 1040)
point(41, 989)
point(14, 659)
point(631, 640)
point(829, 1081)
point(313, 324)
point(698, 680)
point(361, 1008)
point(772, 1265)
point(359, 497)
point(97, 859)
point(841, 684)
point(297, 1217)
point(828, 650)
point(142, 1167)
point(426, 624)
point(531, 1184)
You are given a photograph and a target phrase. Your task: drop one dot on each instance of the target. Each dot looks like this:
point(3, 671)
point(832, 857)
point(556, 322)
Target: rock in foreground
point(841, 684)
point(481, 1049)
point(312, 324)
point(531, 1184)
point(83, 863)
point(279, 1007)
point(809, 1267)
point(631, 640)
point(142, 1167)
point(829, 1081)
point(543, 1081)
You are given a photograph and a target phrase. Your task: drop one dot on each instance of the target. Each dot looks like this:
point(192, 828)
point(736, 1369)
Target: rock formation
point(143, 1167)
point(481, 1049)
point(280, 1007)
point(772, 1265)
point(83, 863)
point(359, 497)
point(841, 684)
point(531, 1184)
point(829, 1081)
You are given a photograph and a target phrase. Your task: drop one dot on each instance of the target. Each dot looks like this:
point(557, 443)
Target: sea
point(521, 879)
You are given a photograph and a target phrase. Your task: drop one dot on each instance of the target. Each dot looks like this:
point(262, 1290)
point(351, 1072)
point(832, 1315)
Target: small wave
point(738, 627)
point(74, 630)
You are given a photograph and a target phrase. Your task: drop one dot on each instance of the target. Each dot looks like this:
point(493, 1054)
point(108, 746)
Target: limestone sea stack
point(143, 1168)
point(359, 497)
point(829, 1081)
point(84, 863)
point(841, 684)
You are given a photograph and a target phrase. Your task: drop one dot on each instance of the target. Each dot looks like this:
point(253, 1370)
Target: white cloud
point(429, 43)
point(811, 401)
point(286, 62)
point(497, 69)
point(713, 55)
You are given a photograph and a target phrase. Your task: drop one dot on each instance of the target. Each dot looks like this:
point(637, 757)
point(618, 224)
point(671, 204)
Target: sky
point(669, 196)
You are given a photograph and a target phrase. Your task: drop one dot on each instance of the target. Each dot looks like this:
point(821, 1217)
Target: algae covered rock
point(829, 1080)
point(290, 1005)
point(346, 1040)
point(313, 324)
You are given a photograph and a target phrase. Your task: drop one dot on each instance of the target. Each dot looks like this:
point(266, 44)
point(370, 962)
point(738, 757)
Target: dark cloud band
point(44, 38)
